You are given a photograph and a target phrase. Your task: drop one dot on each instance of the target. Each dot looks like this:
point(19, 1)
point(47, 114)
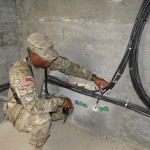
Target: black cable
point(136, 28)
point(4, 87)
point(133, 60)
point(5, 84)
point(56, 81)
point(131, 55)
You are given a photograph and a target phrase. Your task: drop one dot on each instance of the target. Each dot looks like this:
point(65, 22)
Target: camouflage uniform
point(33, 114)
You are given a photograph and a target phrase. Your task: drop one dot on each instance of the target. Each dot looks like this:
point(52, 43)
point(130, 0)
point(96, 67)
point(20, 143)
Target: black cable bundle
point(133, 59)
point(4, 87)
point(131, 55)
point(56, 81)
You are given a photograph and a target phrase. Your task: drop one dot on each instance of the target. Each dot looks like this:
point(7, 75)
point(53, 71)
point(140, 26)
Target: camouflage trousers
point(37, 125)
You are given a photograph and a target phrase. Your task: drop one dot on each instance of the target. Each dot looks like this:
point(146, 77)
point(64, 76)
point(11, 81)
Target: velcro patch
point(26, 81)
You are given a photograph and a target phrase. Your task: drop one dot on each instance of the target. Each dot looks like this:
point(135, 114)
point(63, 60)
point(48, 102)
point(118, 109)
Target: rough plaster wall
point(95, 35)
point(8, 37)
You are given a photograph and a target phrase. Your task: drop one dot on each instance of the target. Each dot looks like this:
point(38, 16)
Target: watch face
point(94, 75)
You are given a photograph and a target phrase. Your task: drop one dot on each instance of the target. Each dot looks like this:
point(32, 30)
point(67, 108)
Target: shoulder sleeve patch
point(26, 81)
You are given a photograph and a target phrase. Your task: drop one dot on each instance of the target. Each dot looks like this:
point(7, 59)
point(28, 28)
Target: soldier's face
point(39, 62)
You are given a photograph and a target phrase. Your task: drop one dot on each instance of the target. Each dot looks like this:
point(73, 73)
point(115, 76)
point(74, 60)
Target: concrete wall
point(95, 35)
point(9, 51)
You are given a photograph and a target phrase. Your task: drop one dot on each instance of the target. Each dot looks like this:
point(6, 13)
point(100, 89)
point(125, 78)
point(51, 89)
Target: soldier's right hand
point(101, 83)
point(67, 103)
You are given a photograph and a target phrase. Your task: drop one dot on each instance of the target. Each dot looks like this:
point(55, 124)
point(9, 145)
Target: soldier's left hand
point(101, 83)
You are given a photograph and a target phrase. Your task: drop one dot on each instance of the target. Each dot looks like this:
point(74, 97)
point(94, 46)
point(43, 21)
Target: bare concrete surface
point(65, 137)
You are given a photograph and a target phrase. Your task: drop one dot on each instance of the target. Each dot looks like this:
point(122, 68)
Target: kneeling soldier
point(27, 110)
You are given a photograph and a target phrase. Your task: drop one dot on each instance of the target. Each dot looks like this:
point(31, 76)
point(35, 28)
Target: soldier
point(26, 108)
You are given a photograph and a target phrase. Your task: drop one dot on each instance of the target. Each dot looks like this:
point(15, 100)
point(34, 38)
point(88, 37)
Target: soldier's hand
point(67, 103)
point(101, 83)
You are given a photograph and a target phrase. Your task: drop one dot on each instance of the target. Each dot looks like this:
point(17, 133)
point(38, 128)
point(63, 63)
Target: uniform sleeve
point(69, 68)
point(21, 81)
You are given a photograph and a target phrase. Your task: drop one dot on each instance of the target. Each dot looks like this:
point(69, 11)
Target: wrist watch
point(93, 75)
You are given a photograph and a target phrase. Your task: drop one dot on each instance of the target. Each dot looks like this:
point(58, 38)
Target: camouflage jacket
point(28, 88)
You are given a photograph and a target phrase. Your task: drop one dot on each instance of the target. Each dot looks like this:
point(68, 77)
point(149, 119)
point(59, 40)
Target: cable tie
point(131, 68)
point(108, 91)
point(118, 74)
point(140, 19)
point(115, 81)
point(126, 104)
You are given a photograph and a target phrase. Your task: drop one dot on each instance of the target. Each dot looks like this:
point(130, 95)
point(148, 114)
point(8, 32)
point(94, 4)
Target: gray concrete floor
point(65, 137)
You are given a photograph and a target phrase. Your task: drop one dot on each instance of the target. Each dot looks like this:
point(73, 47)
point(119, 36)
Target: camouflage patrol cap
point(42, 46)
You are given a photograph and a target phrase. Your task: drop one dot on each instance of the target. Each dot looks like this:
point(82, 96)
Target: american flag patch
point(25, 81)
